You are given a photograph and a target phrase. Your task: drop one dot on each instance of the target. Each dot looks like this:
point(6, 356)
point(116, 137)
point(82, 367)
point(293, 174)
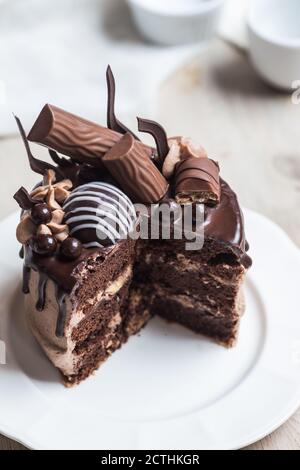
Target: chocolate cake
point(97, 261)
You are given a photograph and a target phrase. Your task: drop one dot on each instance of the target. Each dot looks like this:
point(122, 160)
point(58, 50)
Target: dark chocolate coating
point(62, 311)
point(44, 245)
point(41, 214)
point(71, 248)
point(26, 278)
point(43, 278)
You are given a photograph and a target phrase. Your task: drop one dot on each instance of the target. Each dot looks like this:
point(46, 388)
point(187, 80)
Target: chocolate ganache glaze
point(225, 222)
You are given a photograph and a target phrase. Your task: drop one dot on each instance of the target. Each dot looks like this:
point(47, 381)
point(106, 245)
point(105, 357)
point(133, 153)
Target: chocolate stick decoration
point(159, 134)
point(112, 122)
point(69, 169)
point(81, 140)
point(24, 199)
point(78, 138)
point(38, 166)
point(136, 174)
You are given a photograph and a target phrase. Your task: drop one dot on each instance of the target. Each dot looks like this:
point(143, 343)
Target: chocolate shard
point(81, 140)
point(112, 122)
point(197, 180)
point(159, 135)
point(68, 168)
point(23, 198)
point(60, 161)
point(38, 166)
point(139, 178)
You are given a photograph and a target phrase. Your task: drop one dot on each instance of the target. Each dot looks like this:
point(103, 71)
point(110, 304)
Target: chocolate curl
point(23, 198)
point(197, 180)
point(139, 178)
point(38, 166)
point(81, 140)
point(112, 122)
point(159, 135)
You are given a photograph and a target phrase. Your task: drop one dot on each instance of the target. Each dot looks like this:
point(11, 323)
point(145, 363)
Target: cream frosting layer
point(43, 323)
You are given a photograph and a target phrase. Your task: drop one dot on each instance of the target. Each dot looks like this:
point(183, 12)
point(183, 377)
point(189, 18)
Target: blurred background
point(226, 73)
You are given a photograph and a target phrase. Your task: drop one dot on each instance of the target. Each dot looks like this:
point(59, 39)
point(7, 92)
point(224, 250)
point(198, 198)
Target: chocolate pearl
point(41, 214)
point(44, 244)
point(71, 248)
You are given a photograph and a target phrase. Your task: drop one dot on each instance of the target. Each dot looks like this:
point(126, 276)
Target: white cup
point(274, 35)
point(174, 22)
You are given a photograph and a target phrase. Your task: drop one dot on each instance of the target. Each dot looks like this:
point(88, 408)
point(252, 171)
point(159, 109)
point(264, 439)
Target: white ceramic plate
point(167, 388)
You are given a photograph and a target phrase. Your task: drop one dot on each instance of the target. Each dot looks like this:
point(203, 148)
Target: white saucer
point(167, 388)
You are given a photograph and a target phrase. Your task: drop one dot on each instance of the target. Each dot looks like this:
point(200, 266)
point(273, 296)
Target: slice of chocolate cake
point(200, 289)
point(82, 323)
point(91, 277)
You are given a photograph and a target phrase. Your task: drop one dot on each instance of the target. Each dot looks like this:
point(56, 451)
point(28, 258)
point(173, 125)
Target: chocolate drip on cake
point(61, 318)
point(26, 278)
point(39, 265)
point(225, 222)
point(41, 296)
point(40, 305)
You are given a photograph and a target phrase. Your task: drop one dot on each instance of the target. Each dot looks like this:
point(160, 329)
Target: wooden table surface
point(251, 129)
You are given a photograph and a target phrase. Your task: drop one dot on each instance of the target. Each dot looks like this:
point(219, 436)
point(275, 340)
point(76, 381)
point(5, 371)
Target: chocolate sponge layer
point(199, 289)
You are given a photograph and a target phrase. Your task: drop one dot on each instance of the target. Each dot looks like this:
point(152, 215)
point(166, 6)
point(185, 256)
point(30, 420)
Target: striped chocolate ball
point(99, 214)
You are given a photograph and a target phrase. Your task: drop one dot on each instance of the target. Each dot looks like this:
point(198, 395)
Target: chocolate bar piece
point(197, 180)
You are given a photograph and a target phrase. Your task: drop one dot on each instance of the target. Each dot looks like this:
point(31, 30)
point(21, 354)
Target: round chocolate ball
point(41, 214)
point(99, 214)
point(44, 245)
point(71, 248)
